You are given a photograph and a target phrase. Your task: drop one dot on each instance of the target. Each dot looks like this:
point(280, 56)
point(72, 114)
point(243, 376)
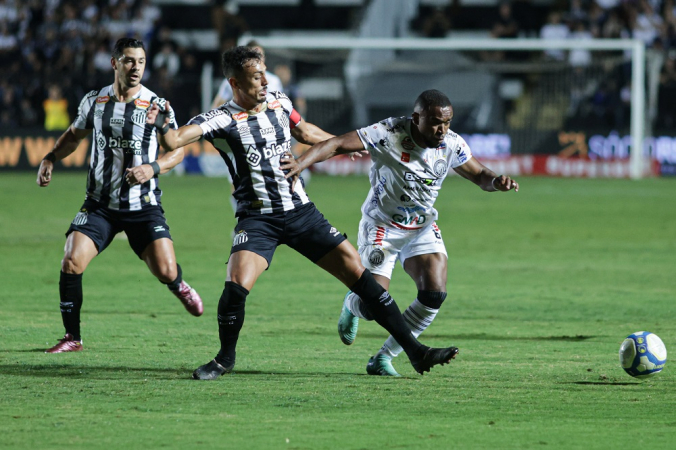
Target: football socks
point(230, 321)
point(70, 292)
point(418, 317)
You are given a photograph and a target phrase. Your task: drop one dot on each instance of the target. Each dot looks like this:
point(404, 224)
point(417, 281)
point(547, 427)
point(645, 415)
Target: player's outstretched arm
point(309, 133)
point(485, 178)
point(347, 143)
point(169, 138)
point(163, 164)
point(64, 146)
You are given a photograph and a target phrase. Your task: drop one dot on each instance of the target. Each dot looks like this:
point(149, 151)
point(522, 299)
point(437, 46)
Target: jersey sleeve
point(461, 153)
point(84, 120)
point(370, 136)
point(212, 122)
point(294, 116)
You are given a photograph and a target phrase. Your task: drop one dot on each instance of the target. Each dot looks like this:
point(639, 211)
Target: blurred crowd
point(52, 52)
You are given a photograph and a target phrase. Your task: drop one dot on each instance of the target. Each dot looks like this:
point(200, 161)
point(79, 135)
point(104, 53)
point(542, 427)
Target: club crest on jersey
point(376, 257)
point(407, 143)
point(239, 117)
point(138, 117)
point(240, 238)
point(253, 156)
point(102, 99)
point(440, 167)
point(274, 104)
point(405, 157)
point(143, 104)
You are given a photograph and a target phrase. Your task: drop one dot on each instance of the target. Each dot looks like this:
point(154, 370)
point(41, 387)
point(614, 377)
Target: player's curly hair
point(235, 58)
point(123, 43)
point(431, 99)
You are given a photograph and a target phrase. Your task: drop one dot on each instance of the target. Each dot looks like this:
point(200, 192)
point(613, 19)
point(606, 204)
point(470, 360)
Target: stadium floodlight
point(632, 47)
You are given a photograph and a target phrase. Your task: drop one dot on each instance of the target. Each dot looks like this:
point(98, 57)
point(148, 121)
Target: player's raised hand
point(158, 114)
point(504, 183)
point(45, 173)
point(290, 166)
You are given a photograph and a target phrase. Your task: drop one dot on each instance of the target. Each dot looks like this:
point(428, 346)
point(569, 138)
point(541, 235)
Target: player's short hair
point(123, 43)
point(235, 58)
point(431, 99)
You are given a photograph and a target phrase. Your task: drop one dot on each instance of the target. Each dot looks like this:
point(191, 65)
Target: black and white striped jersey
point(121, 139)
point(252, 145)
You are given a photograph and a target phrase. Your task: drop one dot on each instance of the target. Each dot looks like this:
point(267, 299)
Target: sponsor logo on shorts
point(117, 122)
point(376, 257)
point(144, 104)
point(405, 157)
point(102, 99)
point(138, 117)
point(240, 238)
point(408, 144)
point(440, 167)
point(159, 228)
point(334, 232)
point(80, 218)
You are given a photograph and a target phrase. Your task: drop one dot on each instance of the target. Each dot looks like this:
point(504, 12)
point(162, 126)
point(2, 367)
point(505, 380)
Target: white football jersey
point(405, 178)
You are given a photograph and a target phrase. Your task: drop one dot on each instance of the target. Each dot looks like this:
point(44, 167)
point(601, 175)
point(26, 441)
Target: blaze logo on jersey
point(144, 104)
point(103, 99)
point(130, 145)
point(407, 143)
point(276, 149)
point(253, 156)
point(240, 117)
point(440, 167)
point(405, 157)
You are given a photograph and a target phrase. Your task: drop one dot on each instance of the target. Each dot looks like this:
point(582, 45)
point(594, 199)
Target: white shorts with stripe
point(380, 245)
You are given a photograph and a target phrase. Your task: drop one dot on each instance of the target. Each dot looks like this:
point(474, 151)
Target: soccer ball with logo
point(643, 354)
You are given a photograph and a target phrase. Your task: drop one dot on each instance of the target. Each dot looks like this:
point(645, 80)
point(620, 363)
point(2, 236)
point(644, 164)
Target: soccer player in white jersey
point(253, 134)
point(122, 189)
point(411, 158)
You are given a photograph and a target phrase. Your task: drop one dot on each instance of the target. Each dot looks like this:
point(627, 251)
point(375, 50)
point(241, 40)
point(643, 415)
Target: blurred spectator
point(168, 59)
point(283, 71)
point(227, 23)
point(8, 109)
point(647, 24)
point(555, 29)
point(580, 57)
point(56, 110)
point(505, 26)
point(666, 104)
point(436, 25)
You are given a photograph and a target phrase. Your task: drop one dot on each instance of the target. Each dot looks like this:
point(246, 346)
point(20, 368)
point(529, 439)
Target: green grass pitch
point(544, 285)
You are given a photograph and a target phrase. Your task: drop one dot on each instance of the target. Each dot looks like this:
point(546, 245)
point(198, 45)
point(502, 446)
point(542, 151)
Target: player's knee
point(72, 265)
point(432, 299)
point(166, 272)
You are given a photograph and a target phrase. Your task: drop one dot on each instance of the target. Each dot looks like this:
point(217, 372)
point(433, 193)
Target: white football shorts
point(380, 245)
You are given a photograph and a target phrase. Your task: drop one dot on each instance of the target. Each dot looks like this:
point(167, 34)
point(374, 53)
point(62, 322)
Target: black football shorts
point(101, 224)
point(304, 229)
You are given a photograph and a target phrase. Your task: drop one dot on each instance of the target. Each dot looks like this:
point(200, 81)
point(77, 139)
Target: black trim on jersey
point(94, 154)
point(127, 130)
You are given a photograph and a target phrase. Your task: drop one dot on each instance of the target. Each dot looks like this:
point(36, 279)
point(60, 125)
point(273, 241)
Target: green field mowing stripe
point(544, 285)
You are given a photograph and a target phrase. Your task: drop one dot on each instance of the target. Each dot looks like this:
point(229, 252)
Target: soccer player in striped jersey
point(253, 134)
point(122, 189)
point(411, 158)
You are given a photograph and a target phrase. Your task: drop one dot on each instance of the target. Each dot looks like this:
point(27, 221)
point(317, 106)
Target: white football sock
point(355, 304)
point(418, 317)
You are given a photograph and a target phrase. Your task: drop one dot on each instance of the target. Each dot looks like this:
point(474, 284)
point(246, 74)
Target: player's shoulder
point(453, 139)
point(279, 97)
point(223, 114)
point(391, 125)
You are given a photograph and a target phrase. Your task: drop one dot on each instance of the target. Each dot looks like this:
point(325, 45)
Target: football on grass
point(643, 354)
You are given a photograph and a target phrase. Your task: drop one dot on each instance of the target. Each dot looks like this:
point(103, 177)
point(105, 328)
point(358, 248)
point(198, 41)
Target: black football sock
point(230, 321)
point(385, 311)
point(177, 282)
point(70, 291)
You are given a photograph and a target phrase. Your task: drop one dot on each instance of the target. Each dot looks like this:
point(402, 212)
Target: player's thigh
point(309, 233)
point(379, 248)
point(145, 227)
point(160, 258)
point(78, 252)
point(343, 262)
point(244, 268)
point(425, 260)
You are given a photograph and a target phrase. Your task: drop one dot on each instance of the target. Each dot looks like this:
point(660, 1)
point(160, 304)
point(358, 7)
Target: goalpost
point(373, 48)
